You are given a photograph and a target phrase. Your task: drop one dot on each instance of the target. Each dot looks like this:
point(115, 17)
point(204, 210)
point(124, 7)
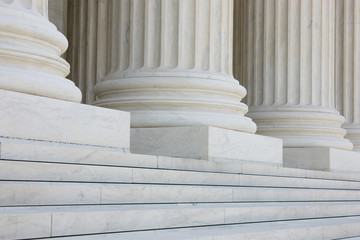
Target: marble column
point(30, 49)
point(288, 65)
point(171, 65)
point(347, 66)
point(89, 49)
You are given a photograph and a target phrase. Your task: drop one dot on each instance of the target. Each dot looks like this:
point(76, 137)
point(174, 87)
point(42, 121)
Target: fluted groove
point(124, 36)
point(281, 57)
point(101, 41)
point(89, 53)
point(174, 65)
point(347, 64)
point(153, 34)
point(187, 44)
point(289, 71)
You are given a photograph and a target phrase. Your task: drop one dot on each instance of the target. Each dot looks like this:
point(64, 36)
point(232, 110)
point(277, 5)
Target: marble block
point(40, 119)
point(208, 143)
point(323, 159)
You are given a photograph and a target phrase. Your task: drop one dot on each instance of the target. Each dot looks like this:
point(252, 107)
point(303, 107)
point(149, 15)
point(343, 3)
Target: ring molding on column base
point(353, 133)
point(38, 84)
point(302, 126)
point(30, 50)
point(182, 119)
point(177, 101)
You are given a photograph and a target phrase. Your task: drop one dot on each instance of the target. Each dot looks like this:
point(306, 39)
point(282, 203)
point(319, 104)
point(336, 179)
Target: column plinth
point(288, 57)
point(30, 49)
point(173, 65)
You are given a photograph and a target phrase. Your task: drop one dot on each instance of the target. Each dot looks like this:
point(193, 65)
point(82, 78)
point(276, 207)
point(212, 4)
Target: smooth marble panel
point(284, 211)
point(274, 181)
point(289, 194)
point(85, 222)
point(74, 154)
point(17, 170)
point(183, 177)
point(164, 194)
point(20, 226)
point(28, 193)
point(295, 230)
point(198, 165)
point(30, 117)
point(323, 159)
point(210, 143)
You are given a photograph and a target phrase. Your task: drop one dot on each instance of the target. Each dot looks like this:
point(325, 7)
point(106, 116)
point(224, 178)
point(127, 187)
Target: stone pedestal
point(322, 159)
point(41, 120)
point(207, 143)
point(288, 63)
point(347, 67)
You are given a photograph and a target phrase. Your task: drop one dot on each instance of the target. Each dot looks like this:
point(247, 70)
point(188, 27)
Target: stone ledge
point(207, 143)
point(32, 118)
point(322, 159)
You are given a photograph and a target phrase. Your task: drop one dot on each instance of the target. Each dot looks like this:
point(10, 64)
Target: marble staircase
point(113, 195)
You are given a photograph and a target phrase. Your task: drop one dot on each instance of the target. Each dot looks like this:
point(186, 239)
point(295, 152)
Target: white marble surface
point(20, 226)
point(84, 155)
point(32, 193)
point(29, 117)
point(347, 62)
point(210, 143)
point(287, 65)
point(296, 230)
point(68, 153)
point(30, 52)
point(101, 219)
point(175, 68)
point(323, 159)
point(40, 171)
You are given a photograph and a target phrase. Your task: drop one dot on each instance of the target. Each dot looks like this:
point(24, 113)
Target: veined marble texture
point(30, 49)
point(347, 67)
point(171, 65)
point(288, 68)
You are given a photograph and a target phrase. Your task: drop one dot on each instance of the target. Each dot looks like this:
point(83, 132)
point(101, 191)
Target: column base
point(207, 143)
point(322, 159)
point(29, 119)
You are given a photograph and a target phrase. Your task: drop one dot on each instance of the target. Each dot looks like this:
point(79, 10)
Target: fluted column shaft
point(289, 70)
point(30, 49)
point(172, 65)
point(347, 66)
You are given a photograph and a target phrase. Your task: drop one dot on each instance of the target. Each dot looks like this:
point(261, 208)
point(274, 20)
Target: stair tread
point(155, 207)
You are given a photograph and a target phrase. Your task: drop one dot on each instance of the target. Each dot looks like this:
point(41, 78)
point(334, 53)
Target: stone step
point(67, 154)
point(37, 222)
point(58, 172)
point(16, 193)
point(314, 229)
